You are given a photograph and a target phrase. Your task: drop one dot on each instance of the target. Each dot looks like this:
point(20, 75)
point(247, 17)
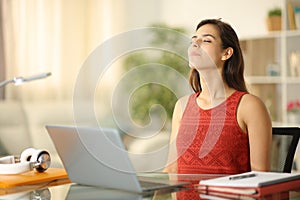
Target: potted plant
point(293, 111)
point(149, 94)
point(274, 19)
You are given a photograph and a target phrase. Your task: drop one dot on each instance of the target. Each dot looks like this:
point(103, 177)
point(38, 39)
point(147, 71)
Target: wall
point(57, 36)
point(247, 17)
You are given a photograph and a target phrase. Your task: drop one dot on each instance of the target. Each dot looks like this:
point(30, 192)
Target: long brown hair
point(233, 72)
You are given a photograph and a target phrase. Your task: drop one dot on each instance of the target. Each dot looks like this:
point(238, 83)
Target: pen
point(241, 177)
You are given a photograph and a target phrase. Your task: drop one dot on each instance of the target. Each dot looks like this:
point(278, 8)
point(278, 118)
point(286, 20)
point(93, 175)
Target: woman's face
point(206, 50)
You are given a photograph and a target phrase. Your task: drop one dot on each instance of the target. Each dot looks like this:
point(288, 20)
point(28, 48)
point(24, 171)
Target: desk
point(63, 190)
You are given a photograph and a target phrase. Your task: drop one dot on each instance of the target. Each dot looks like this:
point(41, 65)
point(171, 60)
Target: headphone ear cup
point(42, 158)
point(27, 154)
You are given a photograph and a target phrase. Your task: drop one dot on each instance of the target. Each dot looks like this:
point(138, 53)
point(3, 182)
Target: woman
point(221, 128)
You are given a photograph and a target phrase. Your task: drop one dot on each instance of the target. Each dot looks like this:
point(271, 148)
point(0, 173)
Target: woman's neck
point(214, 90)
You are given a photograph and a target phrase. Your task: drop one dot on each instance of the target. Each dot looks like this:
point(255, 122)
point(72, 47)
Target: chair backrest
point(285, 141)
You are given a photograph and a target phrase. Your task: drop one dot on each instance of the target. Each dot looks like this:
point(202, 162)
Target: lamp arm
point(39, 76)
point(3, 83)
point(20, 80)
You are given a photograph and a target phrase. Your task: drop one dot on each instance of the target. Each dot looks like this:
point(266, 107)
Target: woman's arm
point(254, 119)
point(171, 166)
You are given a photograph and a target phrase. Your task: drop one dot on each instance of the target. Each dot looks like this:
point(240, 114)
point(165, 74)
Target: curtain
point(52, 36)
point(2, 61)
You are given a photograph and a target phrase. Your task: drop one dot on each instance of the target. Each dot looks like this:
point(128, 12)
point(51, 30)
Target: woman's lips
point(193, 53)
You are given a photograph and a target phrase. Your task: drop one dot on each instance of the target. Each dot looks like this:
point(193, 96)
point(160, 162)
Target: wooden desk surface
point(31, 180)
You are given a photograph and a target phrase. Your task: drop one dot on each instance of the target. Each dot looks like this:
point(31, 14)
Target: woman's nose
point(195, 44)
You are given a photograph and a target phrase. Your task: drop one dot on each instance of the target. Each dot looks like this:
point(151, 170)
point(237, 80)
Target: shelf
point(270, 52)
point(272, 35)
point(269, 35)
point(264, 80)
point(293, 80)
point(287, 124)
point(292, 33)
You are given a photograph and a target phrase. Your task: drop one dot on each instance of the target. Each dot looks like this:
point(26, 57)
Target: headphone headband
point(15, 168)
point(30, 159)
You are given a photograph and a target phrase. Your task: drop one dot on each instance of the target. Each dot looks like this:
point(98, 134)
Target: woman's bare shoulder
point(181, 104)
point(250, 100)
point(184, 98)
point(182, 101)
point(252, 106)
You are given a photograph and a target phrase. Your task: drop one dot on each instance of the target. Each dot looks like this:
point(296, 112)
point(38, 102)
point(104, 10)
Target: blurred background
point(58, 36)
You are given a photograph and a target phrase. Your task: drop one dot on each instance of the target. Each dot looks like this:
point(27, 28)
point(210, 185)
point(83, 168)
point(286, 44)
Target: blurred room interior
point(58, 36)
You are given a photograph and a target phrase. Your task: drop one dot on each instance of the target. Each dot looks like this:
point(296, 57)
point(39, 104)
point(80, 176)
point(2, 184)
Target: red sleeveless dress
point(211, 141)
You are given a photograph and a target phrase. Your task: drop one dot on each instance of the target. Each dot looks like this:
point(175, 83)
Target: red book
point(252, 184)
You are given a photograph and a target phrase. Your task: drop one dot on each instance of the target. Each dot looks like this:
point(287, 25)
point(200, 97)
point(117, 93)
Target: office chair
point(285, 141)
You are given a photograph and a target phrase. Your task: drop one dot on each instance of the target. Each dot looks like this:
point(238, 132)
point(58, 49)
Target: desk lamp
point(20, 80)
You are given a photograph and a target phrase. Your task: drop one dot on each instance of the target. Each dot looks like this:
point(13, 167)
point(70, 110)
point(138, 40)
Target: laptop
point(97, 157)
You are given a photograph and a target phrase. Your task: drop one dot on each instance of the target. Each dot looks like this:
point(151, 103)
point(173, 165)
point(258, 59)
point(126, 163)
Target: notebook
point(254, 183)
point(97, 157)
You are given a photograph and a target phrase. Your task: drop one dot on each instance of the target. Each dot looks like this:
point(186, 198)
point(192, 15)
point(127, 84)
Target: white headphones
point(30, 159)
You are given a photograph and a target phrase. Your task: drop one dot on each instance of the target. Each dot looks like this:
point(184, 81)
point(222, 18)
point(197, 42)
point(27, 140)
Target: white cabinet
point(269, 71)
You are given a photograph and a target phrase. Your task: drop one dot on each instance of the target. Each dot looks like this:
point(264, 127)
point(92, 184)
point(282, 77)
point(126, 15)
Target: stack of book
point(293, 14)
point(250, 185)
